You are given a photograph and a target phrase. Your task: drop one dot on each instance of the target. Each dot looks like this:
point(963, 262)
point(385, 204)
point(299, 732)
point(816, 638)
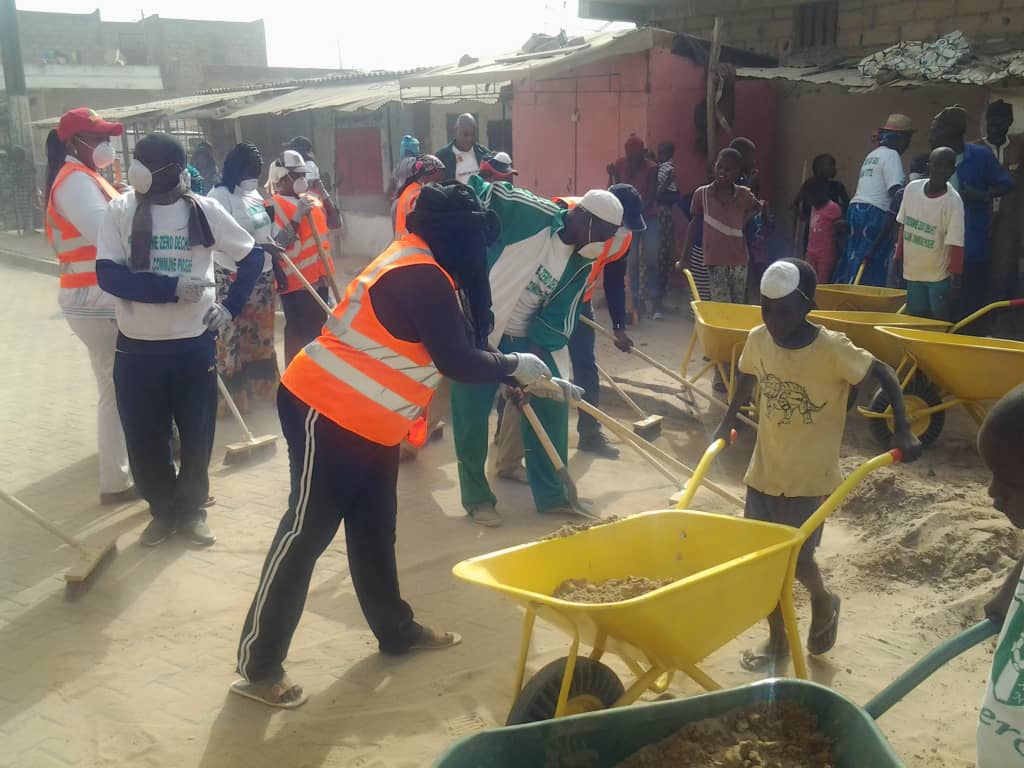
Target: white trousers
point(100, 337)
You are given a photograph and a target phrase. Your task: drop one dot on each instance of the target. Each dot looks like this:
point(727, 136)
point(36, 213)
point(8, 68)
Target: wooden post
point(713, 56)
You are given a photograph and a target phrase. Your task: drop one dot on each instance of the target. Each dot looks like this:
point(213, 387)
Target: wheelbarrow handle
point(924, 668)
point(839, 494)
point(984, 311)
point(702, 469)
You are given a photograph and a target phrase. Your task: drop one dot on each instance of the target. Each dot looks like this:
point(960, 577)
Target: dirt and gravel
point(769, 735)
point(609, 590)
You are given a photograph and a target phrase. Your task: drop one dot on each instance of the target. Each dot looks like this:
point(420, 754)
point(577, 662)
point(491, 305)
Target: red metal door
point(358, 161)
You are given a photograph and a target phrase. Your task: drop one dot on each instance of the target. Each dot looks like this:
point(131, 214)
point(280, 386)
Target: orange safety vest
point(404, 206)
point(304, 252)
point(606, 257)
point(77, 256)
point(357, 373)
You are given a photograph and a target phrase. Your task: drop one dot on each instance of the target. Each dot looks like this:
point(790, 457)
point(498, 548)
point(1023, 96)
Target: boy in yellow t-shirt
point(803, 374)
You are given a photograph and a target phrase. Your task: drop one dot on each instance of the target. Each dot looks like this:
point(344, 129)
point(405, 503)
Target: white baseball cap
point(604, 205)
point(292, 160)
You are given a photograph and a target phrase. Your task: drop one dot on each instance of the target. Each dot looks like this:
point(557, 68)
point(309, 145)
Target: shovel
point(552, 454)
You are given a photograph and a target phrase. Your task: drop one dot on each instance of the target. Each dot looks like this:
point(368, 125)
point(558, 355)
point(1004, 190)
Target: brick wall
point(768, 27)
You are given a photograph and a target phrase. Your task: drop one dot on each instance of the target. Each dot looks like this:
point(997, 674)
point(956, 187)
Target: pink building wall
point(568, 127)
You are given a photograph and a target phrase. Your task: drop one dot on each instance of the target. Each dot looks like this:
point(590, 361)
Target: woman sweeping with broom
point(347, 400)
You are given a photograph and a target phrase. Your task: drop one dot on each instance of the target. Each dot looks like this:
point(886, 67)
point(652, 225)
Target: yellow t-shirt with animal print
point(801, 406)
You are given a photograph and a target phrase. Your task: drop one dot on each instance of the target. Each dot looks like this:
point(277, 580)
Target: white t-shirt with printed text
point(881, 171)
point(248, 209)
point(465, 163)
point(930, 226)
point(542, 284)
point(171, 254)
point(1001, 718)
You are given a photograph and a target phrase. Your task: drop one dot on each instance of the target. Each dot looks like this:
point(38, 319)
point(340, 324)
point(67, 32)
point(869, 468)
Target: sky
point(377, 34)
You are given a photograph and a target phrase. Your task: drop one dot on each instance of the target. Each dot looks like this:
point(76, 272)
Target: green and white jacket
point(527, 221)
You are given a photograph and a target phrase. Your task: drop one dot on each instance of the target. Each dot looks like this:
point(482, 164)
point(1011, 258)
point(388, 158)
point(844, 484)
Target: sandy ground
point(135, 670)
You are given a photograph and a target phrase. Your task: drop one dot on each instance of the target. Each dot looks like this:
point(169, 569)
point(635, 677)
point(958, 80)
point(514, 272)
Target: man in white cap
point(538, 271)
point(804, 374)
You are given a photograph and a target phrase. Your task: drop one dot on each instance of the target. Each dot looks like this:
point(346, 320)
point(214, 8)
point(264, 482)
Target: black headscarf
point(454, 225)
point(239, 164)
point(165, 158)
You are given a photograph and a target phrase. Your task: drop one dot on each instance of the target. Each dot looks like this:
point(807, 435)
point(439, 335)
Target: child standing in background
point(931, 239)
point(827, 226)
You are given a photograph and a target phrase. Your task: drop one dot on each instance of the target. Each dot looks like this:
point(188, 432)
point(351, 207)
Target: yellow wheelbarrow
point(861, 328)
point(726, 574)
point(940, 371)
point(859, 298)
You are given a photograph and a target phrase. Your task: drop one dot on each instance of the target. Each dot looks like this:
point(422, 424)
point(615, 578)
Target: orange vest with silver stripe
point(404, 206)
point(304, 252)
point(607, 255)
point(356, 373)
point(77, 256)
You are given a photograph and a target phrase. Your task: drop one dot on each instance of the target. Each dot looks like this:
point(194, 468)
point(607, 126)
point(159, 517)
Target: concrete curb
point(32, 263)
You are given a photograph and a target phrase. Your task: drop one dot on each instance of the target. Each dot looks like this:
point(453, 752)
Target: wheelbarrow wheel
point(594, 686)
point(918, 395)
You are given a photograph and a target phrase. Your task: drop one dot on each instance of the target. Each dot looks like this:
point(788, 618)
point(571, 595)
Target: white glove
point(192, 287)
point(303, 208)
point(217, 317)
point(529, 369)
point(559, 389)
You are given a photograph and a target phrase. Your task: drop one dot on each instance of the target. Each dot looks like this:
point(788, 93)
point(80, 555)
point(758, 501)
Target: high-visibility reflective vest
point(77, 256)
point(404, 205)
point(356, 373)
point(614, 249)
point(304, 252)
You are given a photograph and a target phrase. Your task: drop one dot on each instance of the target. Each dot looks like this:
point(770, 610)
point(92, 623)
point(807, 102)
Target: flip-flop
point(282, 694)
point(752, 661)
point(431, 641)
point(822, 640)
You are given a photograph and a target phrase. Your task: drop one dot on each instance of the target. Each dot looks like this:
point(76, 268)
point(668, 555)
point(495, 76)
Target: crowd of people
point(171, 282)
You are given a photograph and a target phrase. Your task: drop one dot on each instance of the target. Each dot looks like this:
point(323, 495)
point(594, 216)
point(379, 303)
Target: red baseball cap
point(85, 120)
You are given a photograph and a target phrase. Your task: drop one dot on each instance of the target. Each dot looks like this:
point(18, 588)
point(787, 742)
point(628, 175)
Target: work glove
point(192, 287)
point(559, 389)
point(303, 208)
point(529, 369)
point(217, 317)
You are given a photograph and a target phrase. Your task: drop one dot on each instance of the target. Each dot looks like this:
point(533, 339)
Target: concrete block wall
point(864, 25)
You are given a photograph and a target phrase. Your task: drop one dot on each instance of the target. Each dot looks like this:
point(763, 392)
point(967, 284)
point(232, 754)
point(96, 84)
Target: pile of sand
point(608, 591)
point(934, 534)
point(571, 529)
point(779, 735)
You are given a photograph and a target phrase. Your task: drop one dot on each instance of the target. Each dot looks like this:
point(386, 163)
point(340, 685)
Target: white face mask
point(591, 251)
point(103, 155)
point(140, 177)
point(248, 185)
point(300, 186)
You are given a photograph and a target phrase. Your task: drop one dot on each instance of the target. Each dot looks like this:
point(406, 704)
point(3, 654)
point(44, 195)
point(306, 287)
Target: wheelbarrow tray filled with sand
point(706, 579)
point(859, 298)
point(605, 739)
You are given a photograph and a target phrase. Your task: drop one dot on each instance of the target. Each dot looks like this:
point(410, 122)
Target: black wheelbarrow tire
point(919, 391)
point(594, 687)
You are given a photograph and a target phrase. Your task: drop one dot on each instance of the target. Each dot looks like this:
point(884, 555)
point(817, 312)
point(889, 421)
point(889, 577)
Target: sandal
point(759, 661)
point(281, 693)
point(822, 640)
point(430, 640)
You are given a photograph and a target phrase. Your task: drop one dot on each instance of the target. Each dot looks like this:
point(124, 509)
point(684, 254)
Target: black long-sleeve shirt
point(417, 304)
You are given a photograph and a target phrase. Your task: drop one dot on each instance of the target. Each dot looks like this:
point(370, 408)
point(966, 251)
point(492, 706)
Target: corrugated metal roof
point(352, 97)
point(510, 67)
point(178, 106)
point(849, 77)
point(92, 77)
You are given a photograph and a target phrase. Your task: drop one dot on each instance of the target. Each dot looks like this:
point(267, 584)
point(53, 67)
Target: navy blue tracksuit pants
point(158, 382)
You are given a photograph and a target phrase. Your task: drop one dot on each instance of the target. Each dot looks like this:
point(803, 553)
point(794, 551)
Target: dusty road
point(135, 671)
